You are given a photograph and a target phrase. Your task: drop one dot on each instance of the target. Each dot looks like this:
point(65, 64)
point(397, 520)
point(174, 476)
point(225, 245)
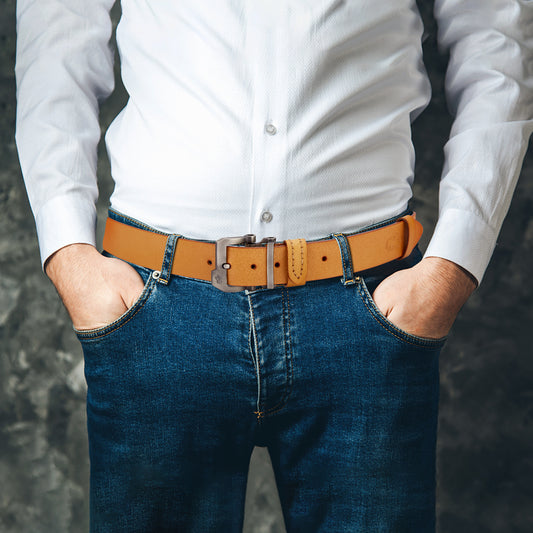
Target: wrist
point(452, 276)
point(66, 259)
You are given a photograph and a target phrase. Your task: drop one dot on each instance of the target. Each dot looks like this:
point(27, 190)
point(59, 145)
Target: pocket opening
point(393, 329)
point(118, 323)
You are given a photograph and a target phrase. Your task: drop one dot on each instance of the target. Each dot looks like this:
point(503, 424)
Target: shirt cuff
point(65, 220)
point(464, 238)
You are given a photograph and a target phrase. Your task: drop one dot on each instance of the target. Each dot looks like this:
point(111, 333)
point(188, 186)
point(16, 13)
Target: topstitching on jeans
point(121, 320)
point(285, 307)
point(134, 222)
point(394, 330)
point(254, 354)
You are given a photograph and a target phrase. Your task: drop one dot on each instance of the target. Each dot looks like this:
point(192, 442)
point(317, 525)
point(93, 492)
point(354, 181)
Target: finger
point(133, 291)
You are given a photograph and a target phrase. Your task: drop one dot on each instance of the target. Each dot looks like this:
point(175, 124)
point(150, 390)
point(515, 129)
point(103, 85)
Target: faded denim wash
point(190, 379)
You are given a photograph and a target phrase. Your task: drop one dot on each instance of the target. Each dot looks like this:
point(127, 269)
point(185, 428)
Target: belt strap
point(196, 259)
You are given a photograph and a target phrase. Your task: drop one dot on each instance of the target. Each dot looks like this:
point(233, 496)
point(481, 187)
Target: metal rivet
point(226, 266)
point(156, 274)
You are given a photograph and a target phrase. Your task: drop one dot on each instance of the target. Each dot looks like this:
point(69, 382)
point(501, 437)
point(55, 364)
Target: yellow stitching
point(420, 343)
point(280, 405)
point(292, 262)
point(301, 257)
point(297, 276)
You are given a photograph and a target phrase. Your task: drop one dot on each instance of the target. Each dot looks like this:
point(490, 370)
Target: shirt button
point(270, 128)
point(266, 216)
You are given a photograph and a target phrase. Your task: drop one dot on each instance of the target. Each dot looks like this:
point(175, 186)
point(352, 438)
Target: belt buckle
point(219, 275)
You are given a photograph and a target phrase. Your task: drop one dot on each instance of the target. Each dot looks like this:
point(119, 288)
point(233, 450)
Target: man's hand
point(95, 289)
point(425, 299)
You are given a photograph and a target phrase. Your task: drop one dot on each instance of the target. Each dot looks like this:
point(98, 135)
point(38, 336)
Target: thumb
point(385, 295)
point(129, 284)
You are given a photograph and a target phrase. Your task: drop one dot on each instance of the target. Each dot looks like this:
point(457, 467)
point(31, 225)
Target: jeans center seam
point(254, 352)
point(287, 345)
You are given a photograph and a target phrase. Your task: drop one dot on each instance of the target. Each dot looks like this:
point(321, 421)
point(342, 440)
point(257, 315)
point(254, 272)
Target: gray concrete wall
point(485, 461)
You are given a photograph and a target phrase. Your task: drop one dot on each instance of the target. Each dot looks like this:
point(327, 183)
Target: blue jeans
point(190, 379)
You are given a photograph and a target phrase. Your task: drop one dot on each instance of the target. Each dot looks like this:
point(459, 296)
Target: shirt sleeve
point(64, 68)
point(489, 88)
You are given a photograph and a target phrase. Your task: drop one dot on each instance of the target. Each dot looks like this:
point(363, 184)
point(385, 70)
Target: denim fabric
point(190, 379)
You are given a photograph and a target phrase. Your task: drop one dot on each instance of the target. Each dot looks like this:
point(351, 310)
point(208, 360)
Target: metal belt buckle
point(219, 275)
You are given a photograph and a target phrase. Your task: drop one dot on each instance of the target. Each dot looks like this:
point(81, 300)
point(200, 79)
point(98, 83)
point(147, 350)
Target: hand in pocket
point(424, 300)
point(96, 290)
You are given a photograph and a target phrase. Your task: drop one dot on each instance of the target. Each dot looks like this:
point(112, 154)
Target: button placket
point(269, 84)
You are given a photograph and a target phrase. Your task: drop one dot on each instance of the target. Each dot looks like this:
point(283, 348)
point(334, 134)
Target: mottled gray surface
point(485, 459)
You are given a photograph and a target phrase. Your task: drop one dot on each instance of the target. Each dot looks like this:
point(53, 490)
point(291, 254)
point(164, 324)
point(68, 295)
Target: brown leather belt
point(238, 263)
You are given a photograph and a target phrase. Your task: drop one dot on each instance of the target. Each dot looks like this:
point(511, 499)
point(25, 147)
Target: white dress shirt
point(289, 118)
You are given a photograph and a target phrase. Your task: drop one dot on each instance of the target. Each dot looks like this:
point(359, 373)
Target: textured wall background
point(485, 459)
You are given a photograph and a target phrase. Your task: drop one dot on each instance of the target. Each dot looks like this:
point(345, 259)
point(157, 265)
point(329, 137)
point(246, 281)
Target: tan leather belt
point(237, 263)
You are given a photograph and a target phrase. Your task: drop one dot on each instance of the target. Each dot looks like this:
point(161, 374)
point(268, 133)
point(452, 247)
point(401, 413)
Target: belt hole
point(276, 264)
point(209, 262)
point(324, 258)
point(253, 267)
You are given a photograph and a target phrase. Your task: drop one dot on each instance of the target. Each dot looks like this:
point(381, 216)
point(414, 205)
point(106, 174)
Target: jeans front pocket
point(408, 338)
point(365, 287)
point(150, 283)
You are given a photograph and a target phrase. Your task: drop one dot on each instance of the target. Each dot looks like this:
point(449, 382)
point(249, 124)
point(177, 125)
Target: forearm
point(68, 260)
point(64, 67)
point(489, 87)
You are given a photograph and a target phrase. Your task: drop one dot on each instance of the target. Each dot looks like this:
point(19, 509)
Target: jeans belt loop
point(348, 276)
point(168, 258)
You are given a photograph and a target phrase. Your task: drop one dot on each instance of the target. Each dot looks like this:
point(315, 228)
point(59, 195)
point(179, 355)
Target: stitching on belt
point(296, 261)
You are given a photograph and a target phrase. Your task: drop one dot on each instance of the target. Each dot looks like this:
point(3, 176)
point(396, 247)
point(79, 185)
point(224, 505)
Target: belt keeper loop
point(168, 258)
point(296, 262)
point(348, 277)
